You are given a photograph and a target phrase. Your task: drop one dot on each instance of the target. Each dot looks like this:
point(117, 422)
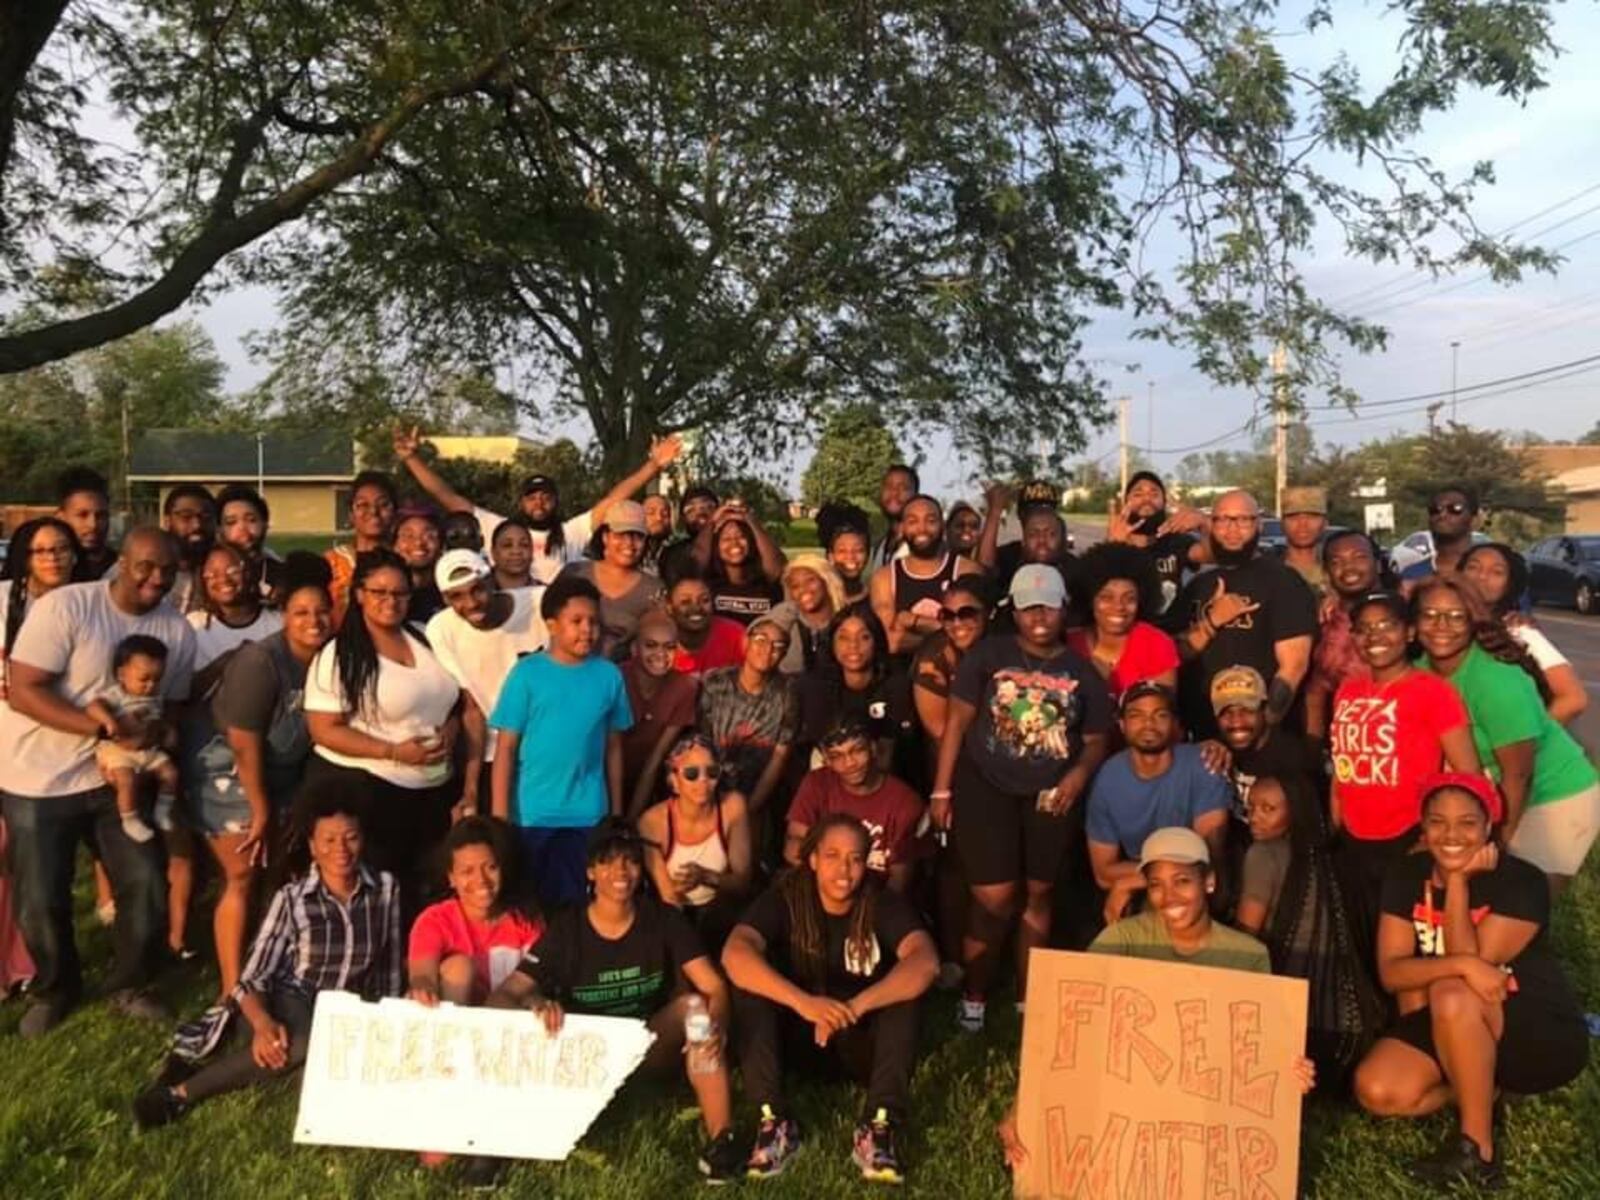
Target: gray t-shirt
point(619, 615)
point(72, 633)
point(261, 692)
point(1265, 866)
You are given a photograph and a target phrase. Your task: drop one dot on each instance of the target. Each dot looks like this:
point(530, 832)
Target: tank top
point(710, 852)
point(906, 589)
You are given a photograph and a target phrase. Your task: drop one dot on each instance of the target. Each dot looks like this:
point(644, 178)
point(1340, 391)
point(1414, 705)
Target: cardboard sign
point(1158, 1081)
point(397, 1076)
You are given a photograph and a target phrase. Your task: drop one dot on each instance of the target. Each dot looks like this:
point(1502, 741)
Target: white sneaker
point(970, 1015)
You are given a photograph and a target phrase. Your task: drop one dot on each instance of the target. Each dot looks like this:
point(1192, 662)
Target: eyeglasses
point(766, 639)
point(1455, 508)
point(51, 551)
point(711, 771)
point(1451, 618)
point(967, 612)
point(1385, 626)
point(1231, 519)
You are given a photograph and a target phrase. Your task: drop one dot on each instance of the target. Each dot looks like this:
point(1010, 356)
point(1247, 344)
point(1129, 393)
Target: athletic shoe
point(777, 1139)
point(1458, 1161)
point(41, 1017)
point(721, 1158)
point(157, 1106)
point(970, 1015)
point(875, 1151)
point(483, 1173)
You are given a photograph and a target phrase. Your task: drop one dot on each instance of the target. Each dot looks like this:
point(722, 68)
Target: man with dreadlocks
point(828, 947)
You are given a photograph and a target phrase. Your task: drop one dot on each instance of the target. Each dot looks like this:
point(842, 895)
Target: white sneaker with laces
point(970, 1015)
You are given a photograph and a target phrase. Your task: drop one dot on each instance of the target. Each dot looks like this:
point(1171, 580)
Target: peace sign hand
point(407, 442)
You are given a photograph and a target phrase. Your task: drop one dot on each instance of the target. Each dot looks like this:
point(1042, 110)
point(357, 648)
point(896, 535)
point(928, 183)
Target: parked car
point(1272, 539)
point(1566, 571)
point(1418, 547)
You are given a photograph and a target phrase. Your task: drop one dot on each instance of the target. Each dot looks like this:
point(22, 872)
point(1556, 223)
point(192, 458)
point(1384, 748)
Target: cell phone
point(1046, 800)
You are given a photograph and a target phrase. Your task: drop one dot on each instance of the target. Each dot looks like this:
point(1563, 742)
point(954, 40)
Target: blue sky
point(1547, 157)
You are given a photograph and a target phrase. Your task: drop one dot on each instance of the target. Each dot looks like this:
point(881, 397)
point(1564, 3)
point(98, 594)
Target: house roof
point(174, 454)
point(1579, 481)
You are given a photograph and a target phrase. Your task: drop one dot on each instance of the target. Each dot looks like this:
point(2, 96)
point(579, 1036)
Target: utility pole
point(1280, 407)
point(1122, 428)
point(261, 466)
point(1455, 355)
point(1150, 416)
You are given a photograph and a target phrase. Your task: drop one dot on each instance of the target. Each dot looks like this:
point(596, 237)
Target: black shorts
point(1541, 1049)
point(1001, 837)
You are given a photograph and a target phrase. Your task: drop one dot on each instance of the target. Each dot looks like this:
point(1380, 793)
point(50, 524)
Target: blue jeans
point(45, 832)
point(553, 863)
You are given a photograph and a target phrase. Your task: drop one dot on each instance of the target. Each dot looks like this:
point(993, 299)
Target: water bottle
point(699, 1037)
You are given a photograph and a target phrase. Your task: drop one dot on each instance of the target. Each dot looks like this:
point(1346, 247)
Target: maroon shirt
point(672, 704)
point(891, 814)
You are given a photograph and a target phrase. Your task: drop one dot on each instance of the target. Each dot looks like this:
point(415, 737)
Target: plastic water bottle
point(699, 1036)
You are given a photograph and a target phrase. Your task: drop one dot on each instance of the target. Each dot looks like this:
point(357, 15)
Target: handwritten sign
point(1158, 1081)
point(397, 1076)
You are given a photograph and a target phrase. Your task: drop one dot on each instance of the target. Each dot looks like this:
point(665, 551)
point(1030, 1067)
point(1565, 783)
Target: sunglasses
point(1455, 508)
point(967, 612)
point(693, 773)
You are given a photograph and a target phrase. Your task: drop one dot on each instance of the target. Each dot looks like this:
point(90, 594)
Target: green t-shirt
point(1144, 936)
point(1505, 707)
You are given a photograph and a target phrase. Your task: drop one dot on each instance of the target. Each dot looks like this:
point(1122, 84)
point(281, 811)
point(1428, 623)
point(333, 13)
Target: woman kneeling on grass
point(627, 955)
point(337, 928)
point(1483, 1003)
point(830, 960)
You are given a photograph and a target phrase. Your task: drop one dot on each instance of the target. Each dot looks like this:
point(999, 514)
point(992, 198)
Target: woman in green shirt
point(1551, 791)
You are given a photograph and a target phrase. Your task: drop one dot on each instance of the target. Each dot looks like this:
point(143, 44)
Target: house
point(1574, 472)
point(305, 478)
point(482, 448)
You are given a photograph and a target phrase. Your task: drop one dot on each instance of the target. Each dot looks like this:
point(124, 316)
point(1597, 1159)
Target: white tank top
point(710, 852)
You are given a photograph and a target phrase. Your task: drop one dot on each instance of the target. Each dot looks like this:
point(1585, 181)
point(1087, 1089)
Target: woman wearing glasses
point(1552, 793)
point(1120, 589)
point(697, 842)
point(230, 614)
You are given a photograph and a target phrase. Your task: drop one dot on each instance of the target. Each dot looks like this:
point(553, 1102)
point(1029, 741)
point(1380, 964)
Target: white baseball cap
point(458, 568)
point(1037, 584)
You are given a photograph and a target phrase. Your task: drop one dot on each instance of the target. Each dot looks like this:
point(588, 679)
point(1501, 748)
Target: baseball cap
point(1037, 584)
point(625, 516)
point(1038, 493)
point(1238, 685)
point(458, 568)
point(1148, 687)
point(1175, 843)
point(539, 483)
point(1479, 786)
point(1393, 601)
point(1305, 500)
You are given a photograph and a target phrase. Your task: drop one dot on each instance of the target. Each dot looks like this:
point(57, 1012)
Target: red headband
point(1480, 786)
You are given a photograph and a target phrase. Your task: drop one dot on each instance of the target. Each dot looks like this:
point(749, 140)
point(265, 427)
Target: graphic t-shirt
point(848, 971)
point(630, 976)
point(564, 713)
point(1170, 554)
point(746, 727)
point(1147, 653)
point(495, 946)
point(1283, 755)
point(891, 813)
point(1506, 707)
point(1515, 888)
point(1384, 738)
point(883, 707)
point(1145, 936)
point(1125, 809)
point(1032, 713)
point(744, 602)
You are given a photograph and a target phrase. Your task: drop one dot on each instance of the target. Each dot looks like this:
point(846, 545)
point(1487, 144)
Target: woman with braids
point(1118, 586)
point(1502, 577)
point(830, 961)
point(245, 751)
point(374, 505)
point(698, 846)
point(1552, 794)
point(383, 716)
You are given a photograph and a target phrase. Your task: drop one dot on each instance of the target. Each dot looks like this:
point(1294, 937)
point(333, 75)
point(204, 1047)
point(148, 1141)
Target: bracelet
point(941, 794)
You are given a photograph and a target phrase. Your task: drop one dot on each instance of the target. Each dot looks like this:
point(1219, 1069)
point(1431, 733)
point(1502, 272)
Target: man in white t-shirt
point(478, 639)
point(556, 540)
point(54, 795)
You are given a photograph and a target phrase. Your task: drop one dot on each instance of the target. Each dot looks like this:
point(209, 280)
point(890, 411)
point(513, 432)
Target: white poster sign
point(1379, 516)
point(395, 1075)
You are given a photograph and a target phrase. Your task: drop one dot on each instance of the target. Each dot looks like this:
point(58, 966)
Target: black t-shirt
point(1286, 754)
point(1288, 610)
point(883, 707)
point(632, 976)
point(1032, 712)
point(1170, 554)
point(847, 975)
point(1517, 889)
point(744, 602)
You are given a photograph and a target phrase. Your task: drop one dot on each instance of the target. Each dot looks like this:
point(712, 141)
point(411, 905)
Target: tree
point(1592, 438)
point(853, 453)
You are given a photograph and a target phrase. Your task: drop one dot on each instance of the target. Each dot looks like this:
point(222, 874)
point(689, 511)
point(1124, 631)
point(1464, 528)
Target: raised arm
point(995, 499)
point(407, 447)
point(663, 453)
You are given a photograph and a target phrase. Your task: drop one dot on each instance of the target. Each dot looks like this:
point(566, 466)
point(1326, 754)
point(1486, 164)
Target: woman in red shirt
point(1120, 589)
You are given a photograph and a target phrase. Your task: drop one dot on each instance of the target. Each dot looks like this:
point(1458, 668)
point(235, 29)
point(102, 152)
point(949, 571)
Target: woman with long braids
point(383, 715)
point(829, 948)
point(1552, 794)
point(1502, 577)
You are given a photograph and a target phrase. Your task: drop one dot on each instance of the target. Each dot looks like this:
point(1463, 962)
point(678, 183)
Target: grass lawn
point(65, 1129)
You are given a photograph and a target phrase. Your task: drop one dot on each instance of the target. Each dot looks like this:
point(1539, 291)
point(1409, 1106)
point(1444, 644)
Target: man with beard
point(418, 540)
point(1143, 520)
point(1353, 567)
point(1251, 611)
point(1305, 520)
point(705, 640)
point(556, 540)
point(900, 483)
point(962, 527)
point(83, 501)
point(242, 522)
point(1452, 513)
point(696, 507)
point(189, 514)
point(1156, 783)
point(905, 593)
point(1259, 750)
point(1044, 541)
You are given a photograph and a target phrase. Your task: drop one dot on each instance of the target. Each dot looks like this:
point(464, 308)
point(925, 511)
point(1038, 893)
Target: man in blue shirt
point(558, 758)
point(1155, 783)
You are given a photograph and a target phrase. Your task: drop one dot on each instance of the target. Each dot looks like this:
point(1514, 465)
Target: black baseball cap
point(1148, 687)
point(1393, 601)
point(539, 483)
point(1038, 493)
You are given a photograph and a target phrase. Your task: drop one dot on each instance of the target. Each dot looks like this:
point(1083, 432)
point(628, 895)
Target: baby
point(130, 716)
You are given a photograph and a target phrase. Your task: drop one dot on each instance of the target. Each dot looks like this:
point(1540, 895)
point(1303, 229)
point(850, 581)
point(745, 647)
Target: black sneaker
point(875, 1152)
point(721, 1158)
point(175, 1070)
point(157, 1106)
point(777, 1138)
point(1458, 1161)
point(483, 1173)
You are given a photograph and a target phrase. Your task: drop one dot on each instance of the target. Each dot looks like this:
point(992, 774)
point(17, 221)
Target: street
point(1579, 639)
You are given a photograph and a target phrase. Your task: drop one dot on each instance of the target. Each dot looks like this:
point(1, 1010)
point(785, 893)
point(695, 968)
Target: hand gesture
point(1225, 607)
point(666, 451)
point(270, 1046)
point(1485, 859)
point(996, 496)
point(1182, 519)
point(421, 751)
point(407, 442)
point(550, 1013)
point(425, 992)
point(1119, 523)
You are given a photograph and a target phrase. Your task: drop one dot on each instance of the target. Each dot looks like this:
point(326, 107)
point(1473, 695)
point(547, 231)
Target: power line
point(1459, 284)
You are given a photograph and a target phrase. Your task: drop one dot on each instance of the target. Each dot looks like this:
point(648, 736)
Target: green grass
point(65, 1129)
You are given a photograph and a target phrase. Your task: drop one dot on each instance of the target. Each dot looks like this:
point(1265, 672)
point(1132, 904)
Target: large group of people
point(640, 762)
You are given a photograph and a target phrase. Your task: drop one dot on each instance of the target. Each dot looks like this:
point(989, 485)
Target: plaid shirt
point(311, 942)
point(1336, 657)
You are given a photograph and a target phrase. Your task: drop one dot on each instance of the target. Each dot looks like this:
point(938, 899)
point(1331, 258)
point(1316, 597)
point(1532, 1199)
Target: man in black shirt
point(1143, 520)
point(900, 483)
point(1251, 611)
point(83, 501)
point(1260, 750)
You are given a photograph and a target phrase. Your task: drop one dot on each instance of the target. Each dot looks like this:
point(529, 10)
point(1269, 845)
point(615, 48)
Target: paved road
point(1579, 639)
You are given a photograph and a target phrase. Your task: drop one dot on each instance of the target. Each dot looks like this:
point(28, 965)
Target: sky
point(1547, 162)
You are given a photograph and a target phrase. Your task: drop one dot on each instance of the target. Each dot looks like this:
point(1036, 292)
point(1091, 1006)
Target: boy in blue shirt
point(558, 758)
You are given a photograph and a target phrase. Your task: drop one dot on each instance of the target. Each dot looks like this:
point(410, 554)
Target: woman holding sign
point(627, 955)
point(1483, 1003)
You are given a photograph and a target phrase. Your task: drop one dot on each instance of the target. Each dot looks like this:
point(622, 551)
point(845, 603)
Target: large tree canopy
point(727, 215)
